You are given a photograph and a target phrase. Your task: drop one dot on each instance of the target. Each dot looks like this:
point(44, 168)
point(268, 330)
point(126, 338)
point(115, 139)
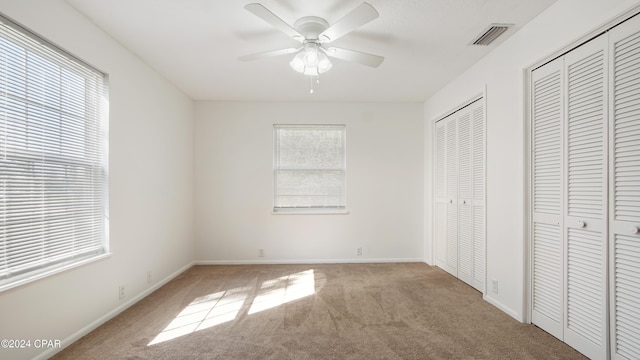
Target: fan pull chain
point(314, 80)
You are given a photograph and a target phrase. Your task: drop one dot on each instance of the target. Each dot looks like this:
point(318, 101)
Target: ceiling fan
point(314, 33)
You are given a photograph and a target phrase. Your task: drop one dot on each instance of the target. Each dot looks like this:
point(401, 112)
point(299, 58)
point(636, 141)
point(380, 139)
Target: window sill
point(308, 211)
point(44, 273)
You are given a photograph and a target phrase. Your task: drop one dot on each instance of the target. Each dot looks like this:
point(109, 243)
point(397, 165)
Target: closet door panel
point(452, 196)
point(440, 194)
point(478, 202)
point(547, 184)
point(625, 189)
point(465, 193)
point(586, 211)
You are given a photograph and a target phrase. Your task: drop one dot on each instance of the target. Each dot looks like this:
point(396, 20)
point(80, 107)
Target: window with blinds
point(53, 181)
point(309, 168)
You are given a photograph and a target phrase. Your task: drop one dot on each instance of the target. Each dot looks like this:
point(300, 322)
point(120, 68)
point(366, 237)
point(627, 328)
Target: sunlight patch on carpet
point(283, 290)
point(205, 312)
point(224, 306)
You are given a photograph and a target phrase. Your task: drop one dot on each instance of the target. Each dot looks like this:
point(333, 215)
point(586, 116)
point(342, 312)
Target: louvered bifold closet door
point(478, 196)
point(465, 193)
point(624, 193)
point(459, 165)
point(440, 194)
point(585, 199)
point(547, 193)
point(452, 195)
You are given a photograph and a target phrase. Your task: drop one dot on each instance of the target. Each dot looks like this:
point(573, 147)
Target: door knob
point(582, 224)
point(635, 230)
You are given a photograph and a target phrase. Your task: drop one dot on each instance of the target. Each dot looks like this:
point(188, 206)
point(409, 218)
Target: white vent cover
point(490, 34)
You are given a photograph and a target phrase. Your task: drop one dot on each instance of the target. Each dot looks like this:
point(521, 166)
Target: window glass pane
point(311, 148)
point(309, 166)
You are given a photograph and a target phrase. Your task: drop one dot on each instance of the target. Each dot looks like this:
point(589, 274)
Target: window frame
point(306, 210)
point(95, 102)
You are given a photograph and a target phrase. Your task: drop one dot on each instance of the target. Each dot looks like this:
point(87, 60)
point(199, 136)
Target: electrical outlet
point(121, 292)
point(494, 286)
point(149, 277)
point(359, 251)
point(260, 252)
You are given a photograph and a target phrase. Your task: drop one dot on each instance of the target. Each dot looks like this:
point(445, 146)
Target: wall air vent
point(490, 34)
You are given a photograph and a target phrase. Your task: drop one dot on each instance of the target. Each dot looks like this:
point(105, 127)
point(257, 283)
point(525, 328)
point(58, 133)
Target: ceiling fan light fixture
point(311, 71)
point(310, 61)
point(297, 63)
point(310, 58)
point(324, 64)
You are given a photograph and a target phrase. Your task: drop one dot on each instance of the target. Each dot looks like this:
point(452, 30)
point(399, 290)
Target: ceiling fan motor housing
point(311, 27)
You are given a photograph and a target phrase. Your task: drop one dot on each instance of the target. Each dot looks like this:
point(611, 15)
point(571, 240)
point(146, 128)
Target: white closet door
point(465, 194)
point(440, 194)
point(459, 191)
point(452, 195)
point(624, 226)
point(585, 199)
point(547, 179)
point(478, 196)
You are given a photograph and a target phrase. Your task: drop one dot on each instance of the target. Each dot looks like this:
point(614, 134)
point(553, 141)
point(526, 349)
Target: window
point(52, 158)
point(309, 168)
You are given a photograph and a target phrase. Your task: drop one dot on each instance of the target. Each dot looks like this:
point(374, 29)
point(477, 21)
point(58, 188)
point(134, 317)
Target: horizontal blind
point(309, 166)
point(52, 175)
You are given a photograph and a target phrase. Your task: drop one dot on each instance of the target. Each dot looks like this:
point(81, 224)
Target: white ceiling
point(196, 44)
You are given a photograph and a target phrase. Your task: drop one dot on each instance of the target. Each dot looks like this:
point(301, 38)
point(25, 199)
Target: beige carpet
point(337, 311)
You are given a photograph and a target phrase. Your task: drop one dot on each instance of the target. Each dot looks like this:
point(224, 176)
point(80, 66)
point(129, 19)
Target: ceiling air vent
point(490, 34)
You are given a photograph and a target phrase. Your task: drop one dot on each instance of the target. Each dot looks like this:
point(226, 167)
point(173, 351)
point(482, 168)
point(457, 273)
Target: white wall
point(151, 189)
point(234, 184)
point(502, 73)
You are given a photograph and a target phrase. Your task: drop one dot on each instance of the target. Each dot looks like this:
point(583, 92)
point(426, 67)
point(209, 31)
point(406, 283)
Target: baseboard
point(306, 262)
point(493, 301)
point(113, 313)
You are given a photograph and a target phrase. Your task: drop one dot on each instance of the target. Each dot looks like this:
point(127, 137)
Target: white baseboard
point(111, 314)
point(306, 262)
point(493, 301)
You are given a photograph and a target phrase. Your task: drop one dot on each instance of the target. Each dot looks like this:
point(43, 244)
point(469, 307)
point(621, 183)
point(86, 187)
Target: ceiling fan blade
point(267, 54)
point(355, 56)
point(353, 20)
point(271, 18)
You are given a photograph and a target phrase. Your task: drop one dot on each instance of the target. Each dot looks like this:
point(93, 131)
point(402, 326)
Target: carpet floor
point(327, 311)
